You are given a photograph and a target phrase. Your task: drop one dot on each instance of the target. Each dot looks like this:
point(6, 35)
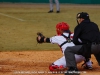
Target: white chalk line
point(11, 17)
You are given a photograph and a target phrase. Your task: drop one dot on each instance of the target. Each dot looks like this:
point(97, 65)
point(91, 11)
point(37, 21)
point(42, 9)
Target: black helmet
point(83, 15)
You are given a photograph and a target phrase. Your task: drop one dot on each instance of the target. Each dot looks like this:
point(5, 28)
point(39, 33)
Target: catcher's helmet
point(83, 15)
point(62, 26)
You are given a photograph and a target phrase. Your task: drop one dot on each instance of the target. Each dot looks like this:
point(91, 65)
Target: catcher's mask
point(83, 15)
point(62, 27)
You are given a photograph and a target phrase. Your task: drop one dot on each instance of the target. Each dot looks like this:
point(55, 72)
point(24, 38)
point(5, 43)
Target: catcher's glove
point(40, 37)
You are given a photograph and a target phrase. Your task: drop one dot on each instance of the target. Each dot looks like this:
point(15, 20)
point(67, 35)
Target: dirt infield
point(35, 63)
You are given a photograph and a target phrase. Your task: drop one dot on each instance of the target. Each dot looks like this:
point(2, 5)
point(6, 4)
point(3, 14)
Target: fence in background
point(61, 1)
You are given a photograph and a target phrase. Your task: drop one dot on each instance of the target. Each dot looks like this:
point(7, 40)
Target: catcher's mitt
point(40, 37)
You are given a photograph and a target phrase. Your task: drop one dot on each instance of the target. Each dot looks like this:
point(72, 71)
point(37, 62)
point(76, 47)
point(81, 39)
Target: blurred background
point(61, 1)
point(20, 20)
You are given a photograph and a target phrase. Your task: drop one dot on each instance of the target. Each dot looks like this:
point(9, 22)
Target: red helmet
point(61, 26)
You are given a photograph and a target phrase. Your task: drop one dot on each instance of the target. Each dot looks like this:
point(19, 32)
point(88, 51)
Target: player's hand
point(40, 37)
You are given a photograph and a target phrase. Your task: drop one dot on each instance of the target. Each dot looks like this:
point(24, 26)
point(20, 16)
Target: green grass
point(21, 35)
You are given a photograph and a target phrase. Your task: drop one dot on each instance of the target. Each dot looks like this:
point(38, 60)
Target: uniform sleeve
point(54, 40)
point(57, 40)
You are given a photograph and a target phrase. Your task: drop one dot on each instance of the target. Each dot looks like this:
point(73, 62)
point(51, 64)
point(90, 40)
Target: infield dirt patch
point(35, 63)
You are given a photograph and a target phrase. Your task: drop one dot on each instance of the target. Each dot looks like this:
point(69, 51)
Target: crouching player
point(64, 38)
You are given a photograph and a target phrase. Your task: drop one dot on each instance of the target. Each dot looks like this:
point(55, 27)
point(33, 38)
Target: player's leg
point(80, 58)
point(58, 65)
point(51, 6)
point(62, 62)
point(57, 6)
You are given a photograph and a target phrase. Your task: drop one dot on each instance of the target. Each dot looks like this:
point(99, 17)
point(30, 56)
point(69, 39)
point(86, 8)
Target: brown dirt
point(35, 63)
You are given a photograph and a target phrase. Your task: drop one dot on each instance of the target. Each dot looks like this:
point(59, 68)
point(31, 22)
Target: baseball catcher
point(64, 39)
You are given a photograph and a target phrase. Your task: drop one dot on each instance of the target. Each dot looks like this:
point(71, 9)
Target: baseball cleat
point(72, 71)
point(58, 12)
point(87, 67)
point(50, 11)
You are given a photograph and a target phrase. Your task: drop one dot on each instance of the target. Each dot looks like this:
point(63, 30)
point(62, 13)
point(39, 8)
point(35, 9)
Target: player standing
point(57, 6)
